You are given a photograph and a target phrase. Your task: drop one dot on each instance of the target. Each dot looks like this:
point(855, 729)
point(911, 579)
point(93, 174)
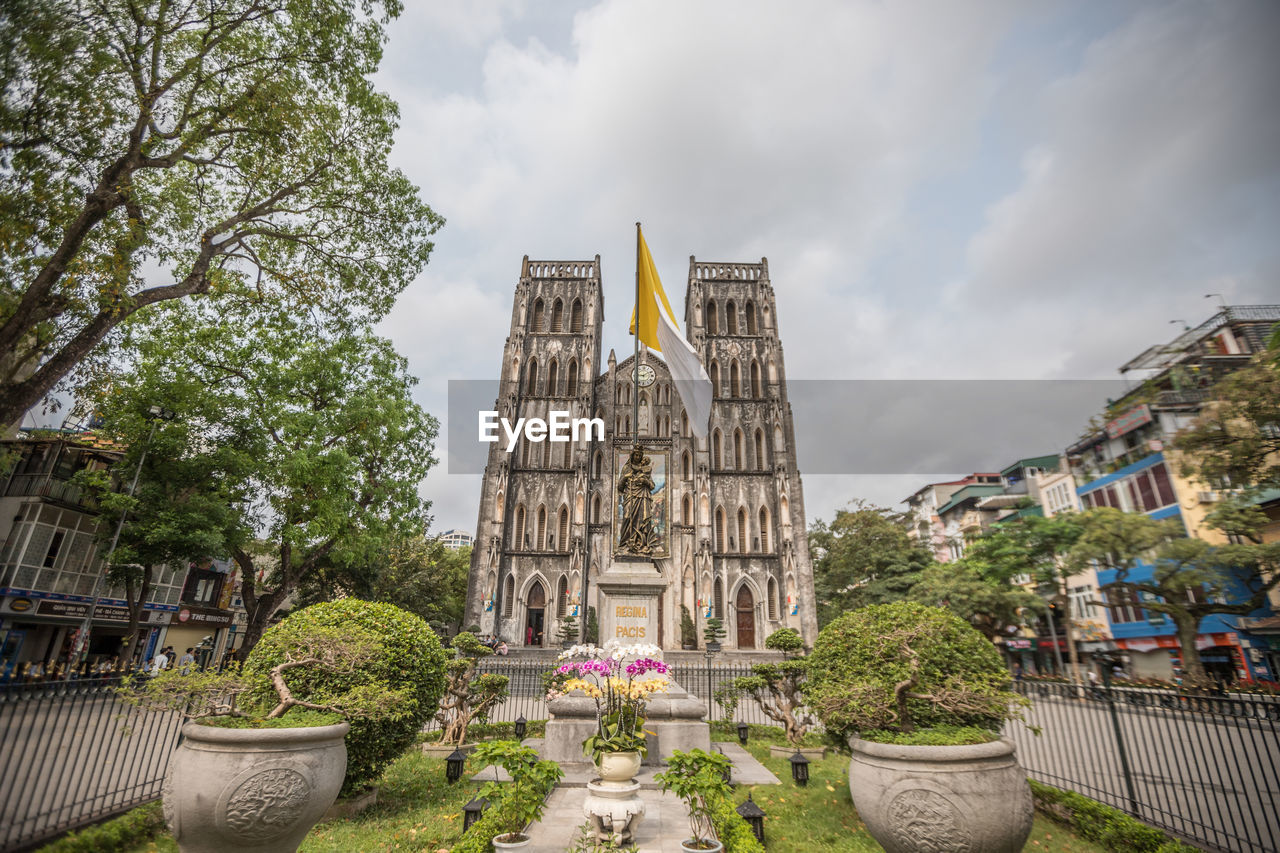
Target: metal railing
point(71, 753)
point(1205, 768)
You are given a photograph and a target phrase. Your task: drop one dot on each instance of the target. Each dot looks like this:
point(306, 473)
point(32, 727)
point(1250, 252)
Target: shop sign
point(206, 617)
point(1018, 644)
point(20, 605)
point(101, 613)
point(1129, 421)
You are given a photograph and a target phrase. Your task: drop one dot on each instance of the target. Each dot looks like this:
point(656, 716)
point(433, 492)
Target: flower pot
point(255, 790)
point(618, 767)
point(510, 845)
point(688, 846)
point(912, 798)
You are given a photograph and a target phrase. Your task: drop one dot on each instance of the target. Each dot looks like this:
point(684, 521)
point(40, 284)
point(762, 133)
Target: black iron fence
point(72, 753)
point(1204, 768)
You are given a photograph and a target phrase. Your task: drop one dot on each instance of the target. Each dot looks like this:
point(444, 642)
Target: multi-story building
point(1127, 464)
point(52, 560)
point(728, 511)
point(455, 539)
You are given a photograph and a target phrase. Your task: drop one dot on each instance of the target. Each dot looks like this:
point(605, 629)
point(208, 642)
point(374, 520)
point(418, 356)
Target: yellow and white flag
point(658, 331)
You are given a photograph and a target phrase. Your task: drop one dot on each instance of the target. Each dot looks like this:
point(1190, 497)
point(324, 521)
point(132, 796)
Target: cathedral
point(642, 541)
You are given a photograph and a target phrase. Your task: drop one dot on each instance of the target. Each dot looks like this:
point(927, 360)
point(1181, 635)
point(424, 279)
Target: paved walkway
point(665, 823)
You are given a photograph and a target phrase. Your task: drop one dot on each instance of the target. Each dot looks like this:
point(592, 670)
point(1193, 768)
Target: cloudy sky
point(977, 190)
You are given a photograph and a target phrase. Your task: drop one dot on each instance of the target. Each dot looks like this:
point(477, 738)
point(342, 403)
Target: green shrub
point(409, 659)
point(1093, 821)
point(732, 828)
point(123, 833)
point(901, 666)
point(514, 803)
point(937, 736)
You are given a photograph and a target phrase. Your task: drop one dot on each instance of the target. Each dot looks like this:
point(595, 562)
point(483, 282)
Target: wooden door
point(536, 611)
point(746, 618)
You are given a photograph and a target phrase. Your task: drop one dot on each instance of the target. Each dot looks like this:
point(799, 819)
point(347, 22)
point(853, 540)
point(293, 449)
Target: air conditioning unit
point(1208, 497)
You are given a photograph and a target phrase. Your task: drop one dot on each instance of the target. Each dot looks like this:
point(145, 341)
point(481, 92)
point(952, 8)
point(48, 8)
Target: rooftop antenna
point(1185, 327)
point(1221, 299)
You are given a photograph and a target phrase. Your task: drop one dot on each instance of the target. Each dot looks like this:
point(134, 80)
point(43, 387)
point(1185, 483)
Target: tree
point(777, 687)
point(468, 696)
point(415, 573)
point(153, 151)
point(1190, 578)
point(865, 556)
point(1235, 441)
point(976, 593)
point(184, 505)
point(332, 444)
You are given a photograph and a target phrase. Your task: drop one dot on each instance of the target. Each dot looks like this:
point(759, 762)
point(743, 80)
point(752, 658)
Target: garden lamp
point(454, 763)
point(472, 811)
point(522, 725)
point(742, 733)
point(800, 768)
point(754, 816)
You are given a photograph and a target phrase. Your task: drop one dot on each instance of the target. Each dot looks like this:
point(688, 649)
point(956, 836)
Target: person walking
point(159, 662)
point(187, 662)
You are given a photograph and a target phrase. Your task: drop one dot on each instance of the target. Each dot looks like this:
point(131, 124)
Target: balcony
point(51, 489)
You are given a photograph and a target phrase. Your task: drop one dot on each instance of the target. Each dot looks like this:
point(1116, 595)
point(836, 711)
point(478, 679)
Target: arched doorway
point(537, 610)
point(746, 618)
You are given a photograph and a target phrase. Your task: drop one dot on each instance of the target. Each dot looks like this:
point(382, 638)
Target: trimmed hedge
point(120, 834)
point(1093, 821)
point(410, 660)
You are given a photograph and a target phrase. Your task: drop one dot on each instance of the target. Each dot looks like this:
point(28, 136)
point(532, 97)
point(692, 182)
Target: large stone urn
point(251, 790)
point(941, 799)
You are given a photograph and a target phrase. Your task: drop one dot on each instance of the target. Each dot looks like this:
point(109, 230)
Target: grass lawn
point(418, 810)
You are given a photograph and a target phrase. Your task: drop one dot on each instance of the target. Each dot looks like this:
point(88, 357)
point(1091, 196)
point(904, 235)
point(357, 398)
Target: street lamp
point(754, 816)
point(800, 768)
point(472, 811)
point(453, 765)
point(522, 725)
point(79, 650)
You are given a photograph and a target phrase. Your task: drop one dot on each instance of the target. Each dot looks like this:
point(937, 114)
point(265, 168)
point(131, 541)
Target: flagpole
point(635, 408)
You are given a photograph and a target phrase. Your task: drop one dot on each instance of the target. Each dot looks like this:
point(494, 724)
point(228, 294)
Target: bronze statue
point(635, 487)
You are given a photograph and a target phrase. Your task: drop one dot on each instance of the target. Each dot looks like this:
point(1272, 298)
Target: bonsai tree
point(206, 695)
point(697, 777)
point(468, 696)
point(407, 658)
point(713, 630)
point(688, 633)
point(568, 633)
point(777, 687)
point(518, 803)
point(896, 668)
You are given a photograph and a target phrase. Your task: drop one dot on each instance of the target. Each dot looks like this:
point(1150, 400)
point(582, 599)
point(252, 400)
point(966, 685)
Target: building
point(51, 561)
point(1127, 464)
point(455, 539)
point(945, 514)
point(728, 530)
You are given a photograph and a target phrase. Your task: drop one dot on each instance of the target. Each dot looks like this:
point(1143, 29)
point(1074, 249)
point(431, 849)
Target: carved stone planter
point(616, 768)
point(251, 790)
point(963, 799)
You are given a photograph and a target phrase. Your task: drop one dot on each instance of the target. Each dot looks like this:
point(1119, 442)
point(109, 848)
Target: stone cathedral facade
point(728, 509)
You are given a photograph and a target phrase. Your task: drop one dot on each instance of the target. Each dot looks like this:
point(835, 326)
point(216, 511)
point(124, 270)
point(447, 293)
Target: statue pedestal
point(615, 810)
point(628, 596)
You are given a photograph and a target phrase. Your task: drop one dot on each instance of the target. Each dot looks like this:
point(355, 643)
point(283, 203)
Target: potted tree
point(921, 696)
point(713, 631)
point(516, 804)
point(568, 631)
point(697, 777)
point(468, 696)
point(246, 774)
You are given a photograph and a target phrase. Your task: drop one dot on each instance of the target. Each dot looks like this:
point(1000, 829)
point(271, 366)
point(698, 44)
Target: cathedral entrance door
point(536, 613)
point(746, 618)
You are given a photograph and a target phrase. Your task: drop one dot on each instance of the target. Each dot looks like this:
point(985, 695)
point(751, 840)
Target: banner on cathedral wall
point(642, 504)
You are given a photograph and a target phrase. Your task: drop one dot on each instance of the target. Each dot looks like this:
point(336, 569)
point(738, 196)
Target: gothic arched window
point(773, 595)
point(509, 597)
point(563, 538)
point(541, 540)
point(759, 442)
point(686, 467)
point(751, 318)
point(735, 379)
point(595, 510)
point(686, 510)
point(553, 378)
point(557, 316)
point(575, 316)
point(533, 377)
point(562, 597)
point(571, 382)
point(538, 312)
point(742, 530)
point(715, 379)
point(737, 450)
point(713, 319)
point(756, 390)
point(764, 529)
point(715, 450)
point(518, 544)
point(731, 318)
point(720, 529)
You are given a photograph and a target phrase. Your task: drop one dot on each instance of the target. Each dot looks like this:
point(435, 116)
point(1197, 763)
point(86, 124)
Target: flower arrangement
point(620, 691)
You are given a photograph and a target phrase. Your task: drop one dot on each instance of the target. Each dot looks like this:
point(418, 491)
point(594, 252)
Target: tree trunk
point(1194, 675)
point(135, 598)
